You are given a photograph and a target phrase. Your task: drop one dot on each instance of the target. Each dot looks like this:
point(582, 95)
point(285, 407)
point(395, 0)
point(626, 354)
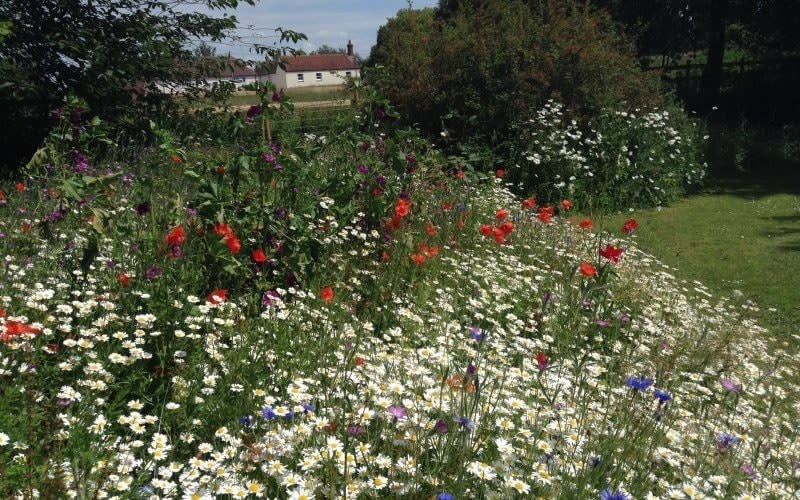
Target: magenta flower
point(397, 412)
point(731, 385)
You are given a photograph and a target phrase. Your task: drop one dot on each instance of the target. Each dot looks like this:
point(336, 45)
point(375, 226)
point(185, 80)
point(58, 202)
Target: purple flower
point(191, 212)
point(276, 97)
point(639, 383)
point(602, 322)
point(142, 208)
point(471, 369)
point(275, 147)
point(270, 297)
point(546, 298)
point(254, 111)
point(381, 180)
point(363, 168)
point(153, 272)
point(380, 113)
point(397, 411)
point(56, 215)
point(355, 430)
point(441, 426)
point(280, 212)
point(267, 157)
point(731, 385)
point(81, 162)
point(445, 495)
point(750, 471)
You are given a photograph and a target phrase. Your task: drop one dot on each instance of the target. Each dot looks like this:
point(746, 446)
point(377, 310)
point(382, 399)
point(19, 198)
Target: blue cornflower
point(639, 383)
point(246, 420)
point(466, 423)
point(607, 494)
point(477, 334)
point(445, 495)
point(725, 441)
point(268, 413)
point(661, 395)
point(308, 407)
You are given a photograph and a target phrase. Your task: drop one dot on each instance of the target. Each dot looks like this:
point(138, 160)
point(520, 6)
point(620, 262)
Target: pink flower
point(397, 412)
point(731, 385)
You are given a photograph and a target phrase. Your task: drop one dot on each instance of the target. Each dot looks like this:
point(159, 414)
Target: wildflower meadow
point(355, 315)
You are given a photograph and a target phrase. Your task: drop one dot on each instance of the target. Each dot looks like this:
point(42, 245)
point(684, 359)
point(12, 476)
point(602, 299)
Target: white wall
point(289, 80)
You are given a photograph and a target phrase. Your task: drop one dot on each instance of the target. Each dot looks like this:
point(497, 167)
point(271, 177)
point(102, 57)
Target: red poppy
point(218, 296)
point(459, 175)
point(499, 236)
point(2, 195)
point(447, 206)
point(611, 253)
point(500, 173)
point(124, 279)
point(528, 203)
point(259, 257)
point(588, 270)
point(222, 229)
point(2, 313)
point(376, 191)
point(16, 328)
point(326, 294)
point(431, 229)
point(221, 169)
point(402, 207)
point(233, 243)
point(429, 251)
point(177, 160)
point(542, 361)
point(507, 227)
point(385, 256)
point(501, 214)
point(359, 361)
point(545, 214)
point(587, 224)
point(566, 204)
point(19, 186)
point(176, 236)
point(630, 226)
point(486, 229)
point(418, 258)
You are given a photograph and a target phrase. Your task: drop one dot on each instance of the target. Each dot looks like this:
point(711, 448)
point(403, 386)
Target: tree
point(327, 49)
point(94, 49)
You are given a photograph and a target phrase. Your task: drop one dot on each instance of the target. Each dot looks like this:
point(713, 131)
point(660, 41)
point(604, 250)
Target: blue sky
point(331, 22)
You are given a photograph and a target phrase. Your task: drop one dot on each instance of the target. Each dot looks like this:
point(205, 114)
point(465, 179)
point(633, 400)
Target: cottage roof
point(321, 62)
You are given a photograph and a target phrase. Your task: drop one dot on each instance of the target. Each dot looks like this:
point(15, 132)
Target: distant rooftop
point(321, 62)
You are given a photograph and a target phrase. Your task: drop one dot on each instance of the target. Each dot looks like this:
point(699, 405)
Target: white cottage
point(317, 70)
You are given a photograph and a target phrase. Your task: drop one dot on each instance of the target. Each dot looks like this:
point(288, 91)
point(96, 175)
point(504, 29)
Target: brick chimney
point(349, 47)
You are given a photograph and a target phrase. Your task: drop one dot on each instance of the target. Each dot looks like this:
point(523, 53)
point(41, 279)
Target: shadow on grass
point(754, 161)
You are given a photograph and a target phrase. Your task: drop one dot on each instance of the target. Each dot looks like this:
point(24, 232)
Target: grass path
point(734, 237)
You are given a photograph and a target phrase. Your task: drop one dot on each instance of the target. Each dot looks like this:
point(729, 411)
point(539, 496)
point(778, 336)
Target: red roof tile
point(321, 62)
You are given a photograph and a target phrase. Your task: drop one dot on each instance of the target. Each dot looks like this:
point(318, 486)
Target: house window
point(300, 77)
point(348, 74)
point(319, 77)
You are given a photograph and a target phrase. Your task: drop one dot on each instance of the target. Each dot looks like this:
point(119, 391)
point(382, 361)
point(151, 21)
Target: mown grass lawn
point(732, 237)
